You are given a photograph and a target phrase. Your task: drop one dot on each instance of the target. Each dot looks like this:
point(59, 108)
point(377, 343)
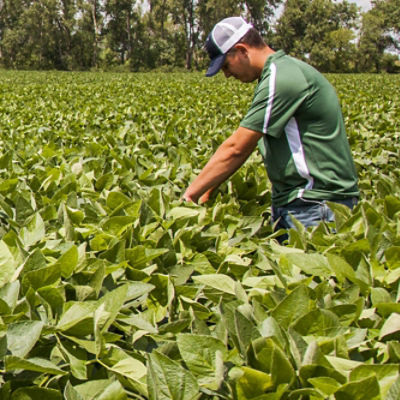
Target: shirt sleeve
point(278, 96)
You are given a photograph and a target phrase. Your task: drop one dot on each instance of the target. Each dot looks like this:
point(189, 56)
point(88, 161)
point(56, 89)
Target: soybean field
point(112, 287)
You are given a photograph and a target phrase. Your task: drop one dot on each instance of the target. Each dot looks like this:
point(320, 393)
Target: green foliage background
point(143, 35)
point(111, 287)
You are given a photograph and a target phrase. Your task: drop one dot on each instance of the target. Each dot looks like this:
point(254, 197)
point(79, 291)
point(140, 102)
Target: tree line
point(140, 35)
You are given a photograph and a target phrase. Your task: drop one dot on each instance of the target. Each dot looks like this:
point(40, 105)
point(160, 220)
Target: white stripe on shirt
point(297, 150)
point(271, 95)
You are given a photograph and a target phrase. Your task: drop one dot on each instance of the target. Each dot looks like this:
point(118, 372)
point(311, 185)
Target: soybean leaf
point(220, 282)
point(364, 389)
point(7, 264)
point(22, 336)
point(34, 231)
point(36, 364)
point(169, 380)
point(102, 389)
point(36, 393)
point(200, 353)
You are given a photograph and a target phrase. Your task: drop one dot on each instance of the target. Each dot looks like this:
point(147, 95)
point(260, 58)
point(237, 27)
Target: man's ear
point(241, 48)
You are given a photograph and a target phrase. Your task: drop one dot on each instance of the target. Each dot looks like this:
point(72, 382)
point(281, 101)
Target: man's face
point(237, 64)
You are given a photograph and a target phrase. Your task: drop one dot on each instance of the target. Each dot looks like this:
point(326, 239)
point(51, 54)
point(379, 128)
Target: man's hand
point(186, 196)
point(203, 198)
point(206, 196)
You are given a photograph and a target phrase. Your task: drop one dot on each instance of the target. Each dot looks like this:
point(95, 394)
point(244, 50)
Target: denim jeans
point(308, 212)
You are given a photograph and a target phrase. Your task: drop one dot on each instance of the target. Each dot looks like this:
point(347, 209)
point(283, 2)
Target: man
point(296, 113)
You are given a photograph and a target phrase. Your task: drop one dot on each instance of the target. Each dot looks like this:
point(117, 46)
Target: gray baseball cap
point(222, 38)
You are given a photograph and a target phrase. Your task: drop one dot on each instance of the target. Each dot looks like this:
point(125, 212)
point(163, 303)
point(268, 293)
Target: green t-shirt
point(305, 147)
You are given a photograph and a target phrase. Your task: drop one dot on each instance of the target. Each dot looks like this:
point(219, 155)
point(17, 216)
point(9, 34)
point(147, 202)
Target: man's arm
point(232, 153)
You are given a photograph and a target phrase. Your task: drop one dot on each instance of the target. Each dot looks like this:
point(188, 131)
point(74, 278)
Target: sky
point(364, 4)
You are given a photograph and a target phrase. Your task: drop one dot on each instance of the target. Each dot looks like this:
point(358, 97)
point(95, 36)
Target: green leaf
point(296, 304)
point(39, 278)
point(364, 389)
point(9, 295)
point(386, 375)
point(325, 384)
point(183, 212)
point(140, 256)
point(245, 330)
point(34, 231)
point(55, 297)
point(68, 262)
point(117, 200)
point(312, 264)
point(130, 368)
point(79, 316)
point(394, 391)
point(70, 393)
point(342, 365)
point(6, 160)
point(111, 303)
point(22, 336)
point(202, 265)
point(36, 393)
point(100, 390)
point(77, 359)
point(307, 393)
point(220, 282)
point(8, 185)
point(169, 380)
point(270, 328)
point(76, 216)
point(265, 355)
point(391, 327)
point(116, 225)
point(386, 309)
point(32, 364)
point(318, 322)
point(380, 295)
point(199, 352)
point(250, 383)
point(392, 206)
point(114, 391)
point(342, 269)
point(392, 256)
point(7, 264)
point(137, 289)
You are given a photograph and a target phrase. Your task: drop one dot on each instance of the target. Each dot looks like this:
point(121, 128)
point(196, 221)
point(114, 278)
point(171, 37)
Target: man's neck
point(261, 56)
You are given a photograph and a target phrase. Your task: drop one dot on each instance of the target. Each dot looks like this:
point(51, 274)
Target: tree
point(389, 12)
point(379, 33)
point(33, 34)
point(146, 34)
point(372, 43)
point(318, 31)
point(118, 30)
point(291, 28)
point(342, 50)
point(89, 24)
point(171, 40)
point(184, 15)
point(260, 12)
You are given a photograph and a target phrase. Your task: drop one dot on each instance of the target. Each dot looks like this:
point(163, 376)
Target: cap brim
point(215, 65)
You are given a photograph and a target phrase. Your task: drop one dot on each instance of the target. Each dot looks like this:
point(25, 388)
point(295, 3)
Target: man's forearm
point(227, 159)
point(220, 167)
